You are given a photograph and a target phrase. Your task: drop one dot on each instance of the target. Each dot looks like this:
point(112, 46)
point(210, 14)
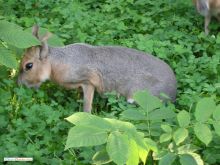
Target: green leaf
point(118, 147)
point(151, 145)
point(218, 39)
point(15, 36)
point(139, 139)
point(216, 125)
point(129, 128)
point(180, 135)
point(101, 157)
point(19, 39)
point(166, 128)
point(7, 58)
point(5, 25)
point(203, 133)
point(133, 115)
point(183, 118)
point(133, 157)
point(122, 126)
point(143, 153)
point(82, 118)
point(162, 113)
point(147, 101)
point(168, 159)
point(204, 109)
point(216, 113)
point(83, 136)
point(187, 148)
point(165, 137)
point(54, 40)
point(187, 159)
point(190, 159)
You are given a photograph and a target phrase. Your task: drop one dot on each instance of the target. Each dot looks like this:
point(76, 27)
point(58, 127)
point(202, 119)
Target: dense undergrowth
point(32, 122)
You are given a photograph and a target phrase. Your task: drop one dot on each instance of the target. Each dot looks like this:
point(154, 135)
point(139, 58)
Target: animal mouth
point(28, 84)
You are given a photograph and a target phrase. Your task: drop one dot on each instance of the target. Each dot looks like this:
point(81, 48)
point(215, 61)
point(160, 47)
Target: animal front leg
point(207, 21)
point(88, 93)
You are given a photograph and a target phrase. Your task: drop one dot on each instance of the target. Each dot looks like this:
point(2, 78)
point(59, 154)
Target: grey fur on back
point(122, 69)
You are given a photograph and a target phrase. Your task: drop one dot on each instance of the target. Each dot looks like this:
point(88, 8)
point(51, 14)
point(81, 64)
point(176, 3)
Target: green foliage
point(204, 109)
point(167, 159)
point(186, 159)
point(7, 58)
point(32, 125)
point(203, 132)
point(52, 41)
point(13, 35)
point(121, 138)
point(174, 136)
point(183, 118)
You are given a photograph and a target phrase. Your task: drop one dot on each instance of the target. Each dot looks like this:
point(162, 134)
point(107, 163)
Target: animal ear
point(44, 50)
point(45, 37)
point(44, 46)
point(35, 30)
point(203, 7)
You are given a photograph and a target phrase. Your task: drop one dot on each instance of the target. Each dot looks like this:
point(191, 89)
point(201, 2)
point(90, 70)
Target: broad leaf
point(180, 135)
point(190, 159)
point(118, 147)
point(152, 145)
point(168, 159)
point(7, 58)
point(216, 113)
point(203, 133)
point(183, 118)
point(147, 101)
point(139, 139)
point(187, 159)
point(133, 115)
point(216, 125)
point(19, 39)
point(166, 128)
point(101, 157)
point(129, 128)
point(143, 153)
point(165, 137)
point(14, 35)
point(187, 148)
point(204, 109)
point(122, 126)
point(5, 25)
point(82, 118)
point(133, 157)
point(83, 136)
point(162, 113)
point(197, 157)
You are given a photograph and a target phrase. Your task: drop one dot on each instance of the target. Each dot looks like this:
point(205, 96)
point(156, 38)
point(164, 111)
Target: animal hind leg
point(207, 21)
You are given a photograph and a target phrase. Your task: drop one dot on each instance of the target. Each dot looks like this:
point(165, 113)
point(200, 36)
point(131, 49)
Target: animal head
point(35, 66)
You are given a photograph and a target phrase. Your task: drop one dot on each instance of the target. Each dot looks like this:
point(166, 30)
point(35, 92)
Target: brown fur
point(212, 11)
point(57, 72)
point(105, 69)
point(39, 70)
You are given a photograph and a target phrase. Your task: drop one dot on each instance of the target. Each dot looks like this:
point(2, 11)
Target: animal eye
point(28, 66)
